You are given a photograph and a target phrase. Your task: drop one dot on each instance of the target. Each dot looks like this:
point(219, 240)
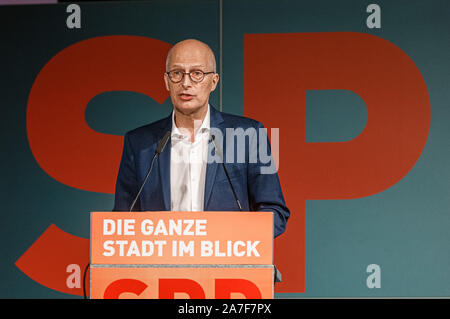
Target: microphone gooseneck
point(213, 137)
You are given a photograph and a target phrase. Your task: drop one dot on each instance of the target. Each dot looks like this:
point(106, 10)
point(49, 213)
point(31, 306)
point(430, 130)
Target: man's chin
point(188, 108)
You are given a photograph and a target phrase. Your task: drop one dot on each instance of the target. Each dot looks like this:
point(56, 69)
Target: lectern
point(151, 255)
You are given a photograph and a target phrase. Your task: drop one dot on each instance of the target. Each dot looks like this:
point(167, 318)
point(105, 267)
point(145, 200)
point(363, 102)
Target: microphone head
point(162, 144)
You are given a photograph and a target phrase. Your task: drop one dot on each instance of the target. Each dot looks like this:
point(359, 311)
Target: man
point(188, 175)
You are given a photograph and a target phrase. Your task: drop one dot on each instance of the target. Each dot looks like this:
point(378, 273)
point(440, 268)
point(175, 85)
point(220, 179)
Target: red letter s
point(66, 148)
point(118, 287)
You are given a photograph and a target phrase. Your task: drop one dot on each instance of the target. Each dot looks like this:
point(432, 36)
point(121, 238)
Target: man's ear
point(215, 80)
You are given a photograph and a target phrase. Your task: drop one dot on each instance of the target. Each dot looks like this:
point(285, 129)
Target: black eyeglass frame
point(190, 76)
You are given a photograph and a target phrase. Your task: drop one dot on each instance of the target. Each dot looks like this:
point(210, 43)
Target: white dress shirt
point(188, 167)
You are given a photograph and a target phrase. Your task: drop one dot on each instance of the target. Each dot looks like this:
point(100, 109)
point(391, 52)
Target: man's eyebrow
point(184, 66)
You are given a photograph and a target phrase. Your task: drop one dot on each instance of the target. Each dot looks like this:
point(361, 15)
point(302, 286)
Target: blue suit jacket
point(256, 191)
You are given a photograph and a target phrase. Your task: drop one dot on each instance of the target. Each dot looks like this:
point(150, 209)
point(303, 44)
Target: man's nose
point(186, 80)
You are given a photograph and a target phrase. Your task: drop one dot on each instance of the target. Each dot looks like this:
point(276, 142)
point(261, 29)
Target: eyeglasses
point(196, 76)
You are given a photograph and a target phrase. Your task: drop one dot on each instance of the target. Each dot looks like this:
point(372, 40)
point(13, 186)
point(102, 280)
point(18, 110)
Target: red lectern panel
point(207, 254)
point(182, 282)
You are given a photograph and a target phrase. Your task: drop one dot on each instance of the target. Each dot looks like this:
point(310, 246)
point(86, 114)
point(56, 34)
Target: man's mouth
point(186, 97)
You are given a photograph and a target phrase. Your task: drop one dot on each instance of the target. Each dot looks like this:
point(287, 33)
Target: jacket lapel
point(216, 122)
point(164, 163)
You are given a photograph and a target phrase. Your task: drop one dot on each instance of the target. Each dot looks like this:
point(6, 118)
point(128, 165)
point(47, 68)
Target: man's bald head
point(196, 48)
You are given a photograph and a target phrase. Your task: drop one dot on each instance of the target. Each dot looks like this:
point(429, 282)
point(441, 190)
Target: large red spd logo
point(169, 288)
point(115, 283)
point(388, 81)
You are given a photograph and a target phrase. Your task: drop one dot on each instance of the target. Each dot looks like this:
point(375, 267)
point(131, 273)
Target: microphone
point(213, 137)
point(162, 144)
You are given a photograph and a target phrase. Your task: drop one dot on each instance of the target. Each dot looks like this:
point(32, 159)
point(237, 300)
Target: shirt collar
point(204, 128)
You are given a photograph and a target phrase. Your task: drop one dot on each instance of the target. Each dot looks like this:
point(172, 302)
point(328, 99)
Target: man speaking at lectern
point(182, 163)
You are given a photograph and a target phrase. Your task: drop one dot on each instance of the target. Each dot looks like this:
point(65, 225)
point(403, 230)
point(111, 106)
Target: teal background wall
point(404, 229)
